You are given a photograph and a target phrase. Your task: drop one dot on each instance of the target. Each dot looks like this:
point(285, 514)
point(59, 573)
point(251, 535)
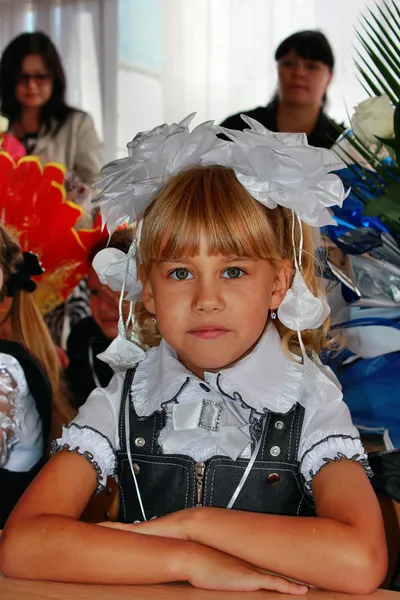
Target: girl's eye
point(312, 66)
point(181, 274)
point(233, 273)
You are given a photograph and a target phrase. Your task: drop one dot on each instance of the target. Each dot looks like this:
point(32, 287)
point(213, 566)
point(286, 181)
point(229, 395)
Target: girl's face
point(35, 83)
point(302, 80)
point(213, 309)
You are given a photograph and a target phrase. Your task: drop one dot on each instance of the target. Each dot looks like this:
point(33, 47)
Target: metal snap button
point(275, 451)
point(273, 478)
point(140, 442)
point(279, 425)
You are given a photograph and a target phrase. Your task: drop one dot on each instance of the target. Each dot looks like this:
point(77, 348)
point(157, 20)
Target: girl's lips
point(209, 333)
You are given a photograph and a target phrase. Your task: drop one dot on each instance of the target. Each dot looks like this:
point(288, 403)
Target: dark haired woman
point(305, 68)
point(32, 97)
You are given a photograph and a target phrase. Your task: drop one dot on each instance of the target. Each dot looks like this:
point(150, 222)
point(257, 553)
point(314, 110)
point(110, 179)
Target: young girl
point(32, 407)
point(229, 406)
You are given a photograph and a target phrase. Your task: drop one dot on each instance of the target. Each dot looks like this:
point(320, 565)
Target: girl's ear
point(147, 293)
point(1, 278)
point(282, 282)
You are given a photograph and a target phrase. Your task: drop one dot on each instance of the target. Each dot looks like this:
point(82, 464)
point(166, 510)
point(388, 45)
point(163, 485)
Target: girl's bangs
point(207, 206)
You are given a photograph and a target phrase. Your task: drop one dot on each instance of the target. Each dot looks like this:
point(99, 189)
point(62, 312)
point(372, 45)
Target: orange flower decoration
point(33, 207)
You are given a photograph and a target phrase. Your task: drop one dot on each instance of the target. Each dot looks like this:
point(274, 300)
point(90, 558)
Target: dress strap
point(281, 435)
point(129, 376)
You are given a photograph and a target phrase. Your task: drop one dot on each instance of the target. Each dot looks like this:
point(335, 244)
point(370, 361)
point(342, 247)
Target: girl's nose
point(208, 297)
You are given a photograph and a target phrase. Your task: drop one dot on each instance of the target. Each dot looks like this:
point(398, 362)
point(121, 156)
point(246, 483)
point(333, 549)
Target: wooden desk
point(14, 589)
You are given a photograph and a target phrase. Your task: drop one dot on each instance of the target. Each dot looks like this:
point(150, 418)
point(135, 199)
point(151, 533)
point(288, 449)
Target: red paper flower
point(34, 209)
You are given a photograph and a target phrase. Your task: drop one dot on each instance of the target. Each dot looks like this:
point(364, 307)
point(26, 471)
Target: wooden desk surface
point(14, 589)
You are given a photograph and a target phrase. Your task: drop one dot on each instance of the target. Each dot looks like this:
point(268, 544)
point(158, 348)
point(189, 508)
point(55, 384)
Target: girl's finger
point(279, 584)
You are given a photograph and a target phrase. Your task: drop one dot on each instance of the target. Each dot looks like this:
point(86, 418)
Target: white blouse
point(212, 417)
point(21, 437)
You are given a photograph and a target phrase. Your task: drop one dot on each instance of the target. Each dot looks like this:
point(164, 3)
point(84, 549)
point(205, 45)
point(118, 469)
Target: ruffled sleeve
point(329, 435)
point(94, 432)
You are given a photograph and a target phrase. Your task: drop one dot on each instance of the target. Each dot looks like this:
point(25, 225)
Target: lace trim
point(82, 427)
point(328, 437)
point(56, 447)
point(359, 458)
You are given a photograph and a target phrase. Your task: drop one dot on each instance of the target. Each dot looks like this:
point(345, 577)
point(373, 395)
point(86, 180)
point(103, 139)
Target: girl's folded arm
point(342, 549)
point(44, 539)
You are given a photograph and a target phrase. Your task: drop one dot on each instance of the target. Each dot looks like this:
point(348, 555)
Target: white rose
point(3, 124)
point(374, 118)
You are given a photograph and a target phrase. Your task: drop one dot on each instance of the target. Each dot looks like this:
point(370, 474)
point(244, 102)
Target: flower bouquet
point(366, 262)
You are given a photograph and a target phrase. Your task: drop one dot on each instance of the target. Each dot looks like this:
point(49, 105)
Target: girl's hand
point(214, 570)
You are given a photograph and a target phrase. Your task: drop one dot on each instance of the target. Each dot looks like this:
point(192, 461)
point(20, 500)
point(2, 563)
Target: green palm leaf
point(380, 38)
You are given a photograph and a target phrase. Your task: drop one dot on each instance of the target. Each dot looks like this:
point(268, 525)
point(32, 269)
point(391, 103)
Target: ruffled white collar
point(264, 379)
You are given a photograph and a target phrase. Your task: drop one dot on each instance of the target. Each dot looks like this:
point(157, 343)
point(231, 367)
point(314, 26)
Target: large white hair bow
point(282, 169)
point(129, 184)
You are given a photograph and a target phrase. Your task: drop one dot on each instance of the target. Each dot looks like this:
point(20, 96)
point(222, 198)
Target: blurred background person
point(92, 335)
point(305, 68)
point(33, 399)
point(32, 97)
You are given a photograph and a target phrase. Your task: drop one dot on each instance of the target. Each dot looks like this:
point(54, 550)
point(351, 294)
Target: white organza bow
point(275, 168)
point(118, 271)
point(300, 309)
point(198, 420)
point(129, 184)
point(282, 169)
point(122, 354)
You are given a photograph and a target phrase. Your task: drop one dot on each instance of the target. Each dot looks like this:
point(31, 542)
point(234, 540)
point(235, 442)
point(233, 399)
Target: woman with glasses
point(32, 97)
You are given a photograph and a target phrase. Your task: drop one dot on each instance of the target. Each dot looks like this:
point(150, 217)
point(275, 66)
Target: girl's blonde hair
point(211, 201)
point(29, 329)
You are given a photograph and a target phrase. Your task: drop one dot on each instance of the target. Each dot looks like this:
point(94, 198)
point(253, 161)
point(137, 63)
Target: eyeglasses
point(38, 78)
